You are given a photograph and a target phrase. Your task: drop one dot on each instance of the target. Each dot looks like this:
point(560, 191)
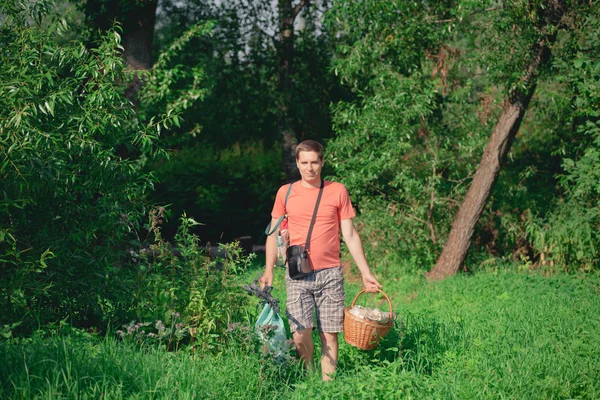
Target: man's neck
point(311, 184)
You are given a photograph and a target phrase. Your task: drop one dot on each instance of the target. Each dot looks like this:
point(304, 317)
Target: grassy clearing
point(489, 335)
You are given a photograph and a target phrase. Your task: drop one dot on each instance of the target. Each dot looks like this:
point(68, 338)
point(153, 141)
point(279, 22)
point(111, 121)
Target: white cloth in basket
point(373, 314)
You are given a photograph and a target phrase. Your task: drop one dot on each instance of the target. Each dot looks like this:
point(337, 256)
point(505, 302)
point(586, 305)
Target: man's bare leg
point(329, 354)
point(305, 347)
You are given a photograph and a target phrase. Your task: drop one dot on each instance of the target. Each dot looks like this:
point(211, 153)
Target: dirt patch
point(408, 298)
point(351, 273)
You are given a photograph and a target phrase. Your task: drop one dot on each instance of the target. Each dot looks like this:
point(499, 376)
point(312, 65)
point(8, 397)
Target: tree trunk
point(138, 36)
point(137, 20)
point(459, 240)
point(513, 110)
point(289, 140)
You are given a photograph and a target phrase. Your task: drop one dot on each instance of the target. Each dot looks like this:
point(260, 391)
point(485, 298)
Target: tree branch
point(442, 21)
point(298, 8)
point(265, 33)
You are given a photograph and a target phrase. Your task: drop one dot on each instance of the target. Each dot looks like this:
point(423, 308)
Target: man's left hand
point(371, 284)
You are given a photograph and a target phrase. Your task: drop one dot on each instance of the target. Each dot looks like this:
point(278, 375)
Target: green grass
point(80, 366)
point(488, 335)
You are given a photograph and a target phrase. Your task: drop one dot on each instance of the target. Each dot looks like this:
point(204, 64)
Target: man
point(323, 288)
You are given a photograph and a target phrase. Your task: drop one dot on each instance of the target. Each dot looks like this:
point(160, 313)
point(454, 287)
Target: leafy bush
point(68, 175)
point(568, 236)
point(73, 151)
point(409, 143)
point(428, 94)
point(181, 284)
point(231, 190)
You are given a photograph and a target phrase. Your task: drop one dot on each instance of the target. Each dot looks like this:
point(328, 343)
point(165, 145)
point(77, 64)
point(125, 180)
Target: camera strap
point(270, 231)
point(314, 217)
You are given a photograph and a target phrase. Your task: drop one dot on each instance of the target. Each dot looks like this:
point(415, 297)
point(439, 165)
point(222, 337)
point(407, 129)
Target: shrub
point(231, 191)
point(68, 175)
point(72, 156)
point(181, 284)
point(567, 237)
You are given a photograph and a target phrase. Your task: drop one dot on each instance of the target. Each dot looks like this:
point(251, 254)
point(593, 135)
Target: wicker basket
point(364, 333)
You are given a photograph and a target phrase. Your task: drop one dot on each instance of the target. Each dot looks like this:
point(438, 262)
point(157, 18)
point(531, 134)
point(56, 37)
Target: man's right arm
point(270, 257)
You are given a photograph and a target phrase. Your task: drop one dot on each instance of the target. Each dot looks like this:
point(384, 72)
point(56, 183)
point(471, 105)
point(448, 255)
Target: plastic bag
point(271, 330)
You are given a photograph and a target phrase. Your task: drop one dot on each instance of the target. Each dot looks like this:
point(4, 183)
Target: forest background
point(133, 133)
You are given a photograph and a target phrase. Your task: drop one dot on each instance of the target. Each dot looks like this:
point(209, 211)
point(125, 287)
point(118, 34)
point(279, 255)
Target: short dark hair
point(310, 145)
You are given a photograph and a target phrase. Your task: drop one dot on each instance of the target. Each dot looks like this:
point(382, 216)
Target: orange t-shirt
point(335, 206)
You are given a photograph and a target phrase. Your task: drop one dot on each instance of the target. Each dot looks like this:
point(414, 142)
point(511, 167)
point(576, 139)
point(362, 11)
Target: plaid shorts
point(323, 290)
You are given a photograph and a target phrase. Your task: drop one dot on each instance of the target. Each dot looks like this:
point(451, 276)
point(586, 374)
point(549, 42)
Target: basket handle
point(383, 293)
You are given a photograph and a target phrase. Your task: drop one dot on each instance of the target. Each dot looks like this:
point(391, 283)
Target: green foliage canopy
point(568, 236)
point(430, 78)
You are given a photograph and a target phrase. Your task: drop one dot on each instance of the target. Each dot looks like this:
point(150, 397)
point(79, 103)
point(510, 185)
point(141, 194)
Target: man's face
point(309, 165)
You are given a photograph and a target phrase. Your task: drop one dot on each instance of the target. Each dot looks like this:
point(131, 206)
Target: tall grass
point(490, 335)
point(80, 366)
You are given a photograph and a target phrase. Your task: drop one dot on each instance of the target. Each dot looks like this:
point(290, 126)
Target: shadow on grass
point(418, 343)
